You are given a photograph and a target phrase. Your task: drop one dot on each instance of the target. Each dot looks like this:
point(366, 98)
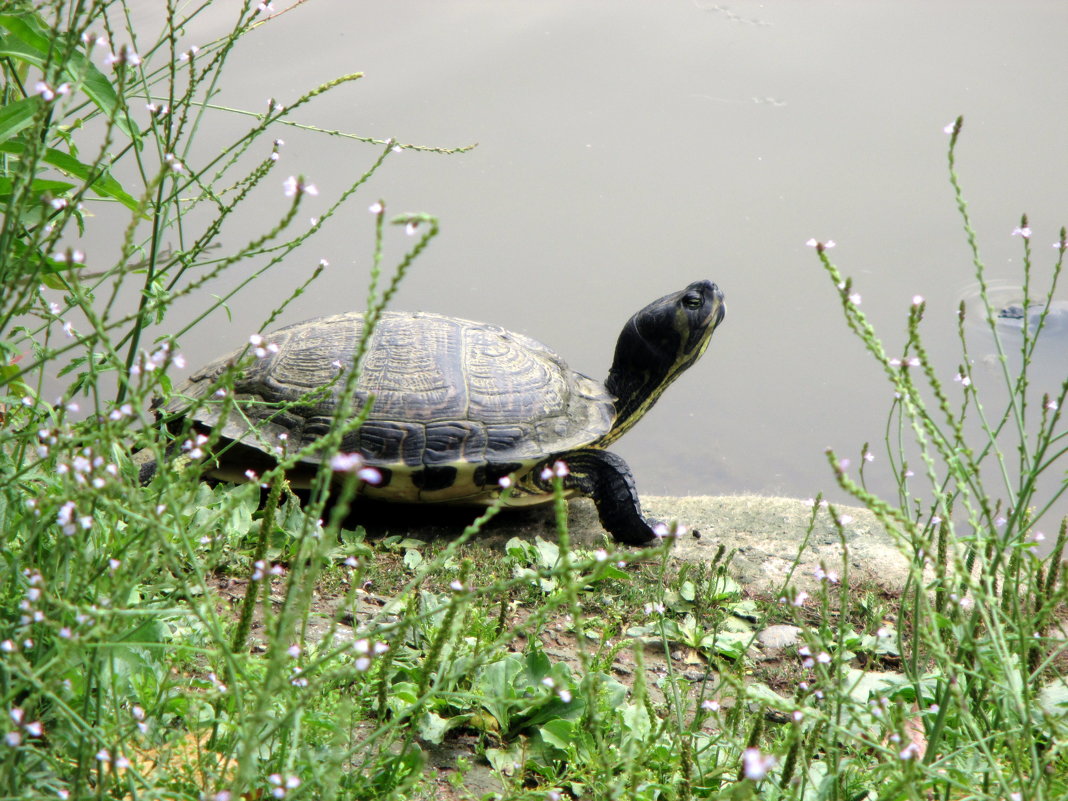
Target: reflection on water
point(626, 147)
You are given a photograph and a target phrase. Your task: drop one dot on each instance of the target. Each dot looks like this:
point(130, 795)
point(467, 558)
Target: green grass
point(184, 641)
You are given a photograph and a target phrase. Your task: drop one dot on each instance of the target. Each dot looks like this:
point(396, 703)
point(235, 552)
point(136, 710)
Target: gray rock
point(766, 534)
point(779, 637)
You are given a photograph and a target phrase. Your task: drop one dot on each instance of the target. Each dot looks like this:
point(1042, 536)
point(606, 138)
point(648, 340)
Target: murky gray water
point(627, 148)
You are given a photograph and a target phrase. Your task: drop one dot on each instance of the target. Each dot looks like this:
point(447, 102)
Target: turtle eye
point(693, 300)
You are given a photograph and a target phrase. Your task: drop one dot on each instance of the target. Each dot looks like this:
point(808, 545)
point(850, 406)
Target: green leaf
point(16, 116)
point(498, 690)
point(8, 380)
point(609, 571)
point(519, 549)
point(866, 684)
point(30, 39)
point(432, 728)
point(722, 587)
point(38, 186)
point(412, 559)
point(763, 694)
point(538, 666)
point(636, 719)
point(731, 644)
point(1053, 699)
point(548, 552)
point(559, 733)
point(100, 183)
point(746, 609)
point(505, 762)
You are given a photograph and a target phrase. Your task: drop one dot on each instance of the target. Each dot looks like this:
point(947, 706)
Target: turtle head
point(656, 345)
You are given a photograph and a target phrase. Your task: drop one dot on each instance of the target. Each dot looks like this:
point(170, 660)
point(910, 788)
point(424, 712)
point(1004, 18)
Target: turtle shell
point(455, 404)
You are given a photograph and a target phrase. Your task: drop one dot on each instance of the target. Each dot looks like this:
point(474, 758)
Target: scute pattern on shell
point(446, 392)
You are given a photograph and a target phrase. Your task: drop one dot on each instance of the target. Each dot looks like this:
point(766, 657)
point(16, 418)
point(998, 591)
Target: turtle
point(1054, 319)
point(453, 411)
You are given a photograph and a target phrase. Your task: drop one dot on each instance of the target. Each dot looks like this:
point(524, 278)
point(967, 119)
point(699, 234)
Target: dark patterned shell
point(456, 403)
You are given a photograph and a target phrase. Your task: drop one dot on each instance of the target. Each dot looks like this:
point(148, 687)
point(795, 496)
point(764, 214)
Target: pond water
point(627, 148)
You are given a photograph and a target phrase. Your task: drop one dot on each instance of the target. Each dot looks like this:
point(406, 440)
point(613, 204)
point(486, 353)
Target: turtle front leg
point(607, 479)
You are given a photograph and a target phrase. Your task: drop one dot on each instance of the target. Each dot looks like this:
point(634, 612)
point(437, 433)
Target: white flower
point(261, 348)
point(48, 93)
point(370, 475)
point(830, 576)
point(294, 186)
point(69, 256)
point(376, 208)
point(65, 518)
point(756, 765)
point(1025, 232)
point(125, 56)
point(346, 462)
point(905, 361)
point(910, 751)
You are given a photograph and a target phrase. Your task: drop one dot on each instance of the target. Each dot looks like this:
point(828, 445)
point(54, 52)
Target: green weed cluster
point(184, 641)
